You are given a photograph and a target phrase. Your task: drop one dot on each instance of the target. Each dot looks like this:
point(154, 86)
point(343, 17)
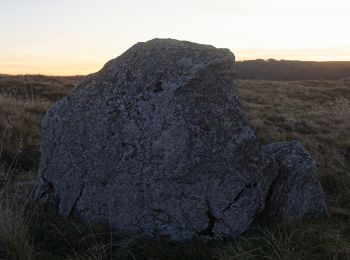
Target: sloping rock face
point(157, 142)
point(296, 192)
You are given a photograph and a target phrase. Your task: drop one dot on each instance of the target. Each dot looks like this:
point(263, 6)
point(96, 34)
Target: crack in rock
point(247, 186)
point(208, 231)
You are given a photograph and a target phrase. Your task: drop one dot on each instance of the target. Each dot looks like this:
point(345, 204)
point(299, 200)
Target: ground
point(315, 113)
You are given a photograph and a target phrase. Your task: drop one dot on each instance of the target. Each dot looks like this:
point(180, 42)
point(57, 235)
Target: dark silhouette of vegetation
point(292, 70)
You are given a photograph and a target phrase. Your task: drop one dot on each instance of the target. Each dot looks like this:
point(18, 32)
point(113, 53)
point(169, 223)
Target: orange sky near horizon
point(77, 37)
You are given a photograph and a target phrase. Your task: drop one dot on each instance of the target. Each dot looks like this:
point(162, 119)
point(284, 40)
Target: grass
point(316, 113)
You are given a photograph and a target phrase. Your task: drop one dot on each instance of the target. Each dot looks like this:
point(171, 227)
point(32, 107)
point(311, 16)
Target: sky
point(71, 37)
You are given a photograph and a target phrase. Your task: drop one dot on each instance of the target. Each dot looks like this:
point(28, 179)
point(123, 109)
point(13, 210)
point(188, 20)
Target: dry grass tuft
point(14, 222)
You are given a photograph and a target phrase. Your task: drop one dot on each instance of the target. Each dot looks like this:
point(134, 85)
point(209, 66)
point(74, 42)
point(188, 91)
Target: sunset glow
point(78, 37)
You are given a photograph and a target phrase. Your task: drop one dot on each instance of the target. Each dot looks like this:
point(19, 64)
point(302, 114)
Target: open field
point(314, 112)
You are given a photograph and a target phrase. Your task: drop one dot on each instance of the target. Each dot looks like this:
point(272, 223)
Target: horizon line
point(241, 60)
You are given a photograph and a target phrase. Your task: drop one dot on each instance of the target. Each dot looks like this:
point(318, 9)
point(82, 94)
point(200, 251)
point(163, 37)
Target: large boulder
point(296, 193)
point(157, 142)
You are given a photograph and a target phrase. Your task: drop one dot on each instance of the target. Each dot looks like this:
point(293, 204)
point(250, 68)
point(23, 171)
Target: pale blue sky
point(78, 36)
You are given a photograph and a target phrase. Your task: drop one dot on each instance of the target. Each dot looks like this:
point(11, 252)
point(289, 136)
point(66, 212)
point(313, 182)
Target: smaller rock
point(296, 192)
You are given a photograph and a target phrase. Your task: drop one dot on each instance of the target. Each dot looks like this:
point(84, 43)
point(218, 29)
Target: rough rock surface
point(296, 192)
point(157, 142)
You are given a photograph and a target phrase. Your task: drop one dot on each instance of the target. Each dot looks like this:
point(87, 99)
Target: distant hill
point(292, 70)
point(252, 69)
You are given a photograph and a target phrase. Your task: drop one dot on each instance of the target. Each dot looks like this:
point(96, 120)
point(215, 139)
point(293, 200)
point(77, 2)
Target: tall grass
point(14, 224)
point(14, 221)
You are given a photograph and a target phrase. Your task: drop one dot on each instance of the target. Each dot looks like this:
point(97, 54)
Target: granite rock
point(157, 142)
point(296, 193)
